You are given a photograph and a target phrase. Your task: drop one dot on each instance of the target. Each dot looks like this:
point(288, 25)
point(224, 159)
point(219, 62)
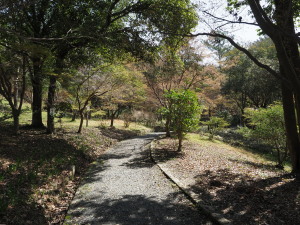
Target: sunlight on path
point(125, 187)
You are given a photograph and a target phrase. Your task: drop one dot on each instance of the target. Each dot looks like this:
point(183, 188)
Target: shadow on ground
point(118, 134)
point(244, 200)
point(35, 169)
point(133, 209)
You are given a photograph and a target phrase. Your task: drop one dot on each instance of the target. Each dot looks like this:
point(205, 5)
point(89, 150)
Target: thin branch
point(229, 21)
point(245, 51)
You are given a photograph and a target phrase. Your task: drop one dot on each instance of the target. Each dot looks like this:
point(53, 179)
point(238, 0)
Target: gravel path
point(126, 187)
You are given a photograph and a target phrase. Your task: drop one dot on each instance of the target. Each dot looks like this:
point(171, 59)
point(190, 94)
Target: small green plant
point(184, 111)
point(215, 124)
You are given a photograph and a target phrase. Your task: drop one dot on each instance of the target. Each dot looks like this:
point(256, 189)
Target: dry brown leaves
point(37, 180)
point(245, 189)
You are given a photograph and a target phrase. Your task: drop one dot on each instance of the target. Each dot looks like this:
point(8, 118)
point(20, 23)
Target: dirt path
point(126, 187)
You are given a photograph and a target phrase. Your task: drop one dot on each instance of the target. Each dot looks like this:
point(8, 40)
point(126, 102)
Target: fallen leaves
point(245, 189)
point(37, 176)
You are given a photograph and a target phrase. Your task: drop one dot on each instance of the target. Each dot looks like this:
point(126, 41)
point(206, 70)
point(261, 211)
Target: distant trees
point(247, 84)
point(129, 93)
point(178, 67)
point(94, 81)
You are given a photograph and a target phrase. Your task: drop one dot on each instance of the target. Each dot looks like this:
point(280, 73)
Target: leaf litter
point(241, 186)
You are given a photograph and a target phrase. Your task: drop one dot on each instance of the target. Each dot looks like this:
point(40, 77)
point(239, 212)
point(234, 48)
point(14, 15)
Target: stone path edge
point(214, 216)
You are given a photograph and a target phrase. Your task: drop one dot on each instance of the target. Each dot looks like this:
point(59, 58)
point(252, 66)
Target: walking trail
point(126, 187)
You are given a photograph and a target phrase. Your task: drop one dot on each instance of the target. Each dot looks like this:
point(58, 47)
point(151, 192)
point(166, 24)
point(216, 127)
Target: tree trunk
point(50, 105)
point(297, 104)
point(81, 121)
point(74, 116)
point(37, 97)
point(168, 126)
point(16, 116)
point(87, 118)
point(291, 128)
point(180, 139)
point(37, 120)
point(112, 118)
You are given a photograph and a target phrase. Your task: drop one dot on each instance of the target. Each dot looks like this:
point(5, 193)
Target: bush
point(215, 124)
point(268, 126)
point(184, 111)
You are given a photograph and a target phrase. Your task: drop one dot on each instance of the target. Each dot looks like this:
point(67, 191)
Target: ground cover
point(39, 173)
point(244, 187)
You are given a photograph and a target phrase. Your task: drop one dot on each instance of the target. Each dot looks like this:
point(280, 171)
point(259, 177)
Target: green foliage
point(184, 111)
point(215, 124)
point(247, 84)
point(269, 127)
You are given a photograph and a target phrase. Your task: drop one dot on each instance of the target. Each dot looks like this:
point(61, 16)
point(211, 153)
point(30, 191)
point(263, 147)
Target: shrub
point(184, 111)
point(268, 126)
point(215, 124)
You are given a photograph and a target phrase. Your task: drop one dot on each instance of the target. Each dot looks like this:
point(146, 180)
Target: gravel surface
point(126, 187)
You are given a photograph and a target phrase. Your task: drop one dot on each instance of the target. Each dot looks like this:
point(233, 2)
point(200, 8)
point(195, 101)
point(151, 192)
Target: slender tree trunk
point(112, 118)
point(16, 116)
point(291, 128)
point(168, 126)
point(87, 118)
point(37, 97)
point(52, 89)
point(50, 105)
point(74, 116)
point(81, 121)
point(37, 120)
point(297, 101)
point(180, 139)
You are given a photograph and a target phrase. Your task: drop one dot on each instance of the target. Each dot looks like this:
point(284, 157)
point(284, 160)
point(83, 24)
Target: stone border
point(192, 196)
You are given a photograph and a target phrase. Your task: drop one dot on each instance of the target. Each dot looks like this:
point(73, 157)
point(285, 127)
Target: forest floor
point(243, 187)
point(39, 173)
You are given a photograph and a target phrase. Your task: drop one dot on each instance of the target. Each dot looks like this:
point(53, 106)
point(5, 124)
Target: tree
point(128, 94)
point(269, 127)
point(177, 68)
point(184, 112)
point(62, 26)
point(12, 82)
point(277, 20)
point(247, 84)
point(93, 82)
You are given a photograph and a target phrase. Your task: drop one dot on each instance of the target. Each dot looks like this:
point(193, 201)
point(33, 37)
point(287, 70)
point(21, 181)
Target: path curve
point(125, 187)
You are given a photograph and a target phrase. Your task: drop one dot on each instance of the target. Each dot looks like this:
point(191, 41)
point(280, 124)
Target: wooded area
point(173, 66)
